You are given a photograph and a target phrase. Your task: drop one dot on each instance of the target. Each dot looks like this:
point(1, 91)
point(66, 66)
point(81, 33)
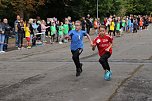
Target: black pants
point(104, 61)
point(20, 40)
point(75, 57)
point(135, 30)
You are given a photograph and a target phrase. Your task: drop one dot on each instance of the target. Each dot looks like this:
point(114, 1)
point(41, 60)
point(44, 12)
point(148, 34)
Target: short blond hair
point(78, 21)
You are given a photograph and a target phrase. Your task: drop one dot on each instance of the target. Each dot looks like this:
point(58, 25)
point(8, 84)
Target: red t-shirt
point(103, 43)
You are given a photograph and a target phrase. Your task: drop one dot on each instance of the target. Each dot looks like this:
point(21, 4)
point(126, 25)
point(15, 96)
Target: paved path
point(48, 73)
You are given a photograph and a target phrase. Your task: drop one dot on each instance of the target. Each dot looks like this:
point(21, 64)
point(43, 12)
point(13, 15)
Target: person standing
point(28, 35)
point(88, 24)
point(53, 32)
point(118, 28)
point(141, 24)
point(83, 23)
point(76, 37)
point(16, 29)
point(60, 32)
point(112, 28)
point(2, 37)
point(135, 26)
point(43, 30)
point(21, 33)
point(96, 26)
point(7, 33)
point(73, 25)
point(66, 29)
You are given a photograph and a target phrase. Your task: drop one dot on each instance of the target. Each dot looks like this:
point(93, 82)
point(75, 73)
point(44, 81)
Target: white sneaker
point(2, 52)
point(19, 48)
point(60, 43)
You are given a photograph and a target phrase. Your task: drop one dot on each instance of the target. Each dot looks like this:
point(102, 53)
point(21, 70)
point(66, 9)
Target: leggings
point(75, 57)
point(104, 61)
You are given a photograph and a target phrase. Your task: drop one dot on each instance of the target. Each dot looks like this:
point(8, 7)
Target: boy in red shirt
point(104, 45)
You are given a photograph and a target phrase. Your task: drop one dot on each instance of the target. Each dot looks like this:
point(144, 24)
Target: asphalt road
point(48, 74)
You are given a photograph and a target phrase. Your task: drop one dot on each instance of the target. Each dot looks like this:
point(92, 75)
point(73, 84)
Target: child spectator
point(53, 32)
point(60, 32)
point(27, 35)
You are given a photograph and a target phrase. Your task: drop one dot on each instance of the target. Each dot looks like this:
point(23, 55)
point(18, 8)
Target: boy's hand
point(67, 37)
point(93, 48)
point(91, 44)
point(107, 49)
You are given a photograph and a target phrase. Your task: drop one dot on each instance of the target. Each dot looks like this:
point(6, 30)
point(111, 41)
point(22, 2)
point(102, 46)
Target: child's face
point(78, 26)
point(102, 31)
point(66, 22)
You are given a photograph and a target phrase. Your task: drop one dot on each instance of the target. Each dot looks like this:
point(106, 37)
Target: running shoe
point(107, 75)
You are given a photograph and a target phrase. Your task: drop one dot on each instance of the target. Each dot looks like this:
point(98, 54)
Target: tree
point(139, 6)
point(73, 8)
point(26, 7)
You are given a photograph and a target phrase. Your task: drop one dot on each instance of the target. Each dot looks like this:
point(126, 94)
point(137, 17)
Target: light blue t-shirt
point(77, 39)
point(129, 22)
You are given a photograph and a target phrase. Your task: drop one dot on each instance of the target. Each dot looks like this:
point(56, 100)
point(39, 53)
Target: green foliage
point(73, 8)
point(139, 6)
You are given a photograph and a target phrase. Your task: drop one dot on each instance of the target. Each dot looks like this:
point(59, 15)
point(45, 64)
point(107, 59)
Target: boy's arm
point(67, 37)
point(88, 36)
point(107, 49)
point(93, 45)
point(111, 43)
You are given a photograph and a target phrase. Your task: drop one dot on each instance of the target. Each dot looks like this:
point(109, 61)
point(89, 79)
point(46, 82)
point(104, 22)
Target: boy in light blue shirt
point(76, 46)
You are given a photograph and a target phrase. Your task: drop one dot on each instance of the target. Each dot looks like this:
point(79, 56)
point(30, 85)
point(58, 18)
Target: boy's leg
point(104, 61)
point(76, 60)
